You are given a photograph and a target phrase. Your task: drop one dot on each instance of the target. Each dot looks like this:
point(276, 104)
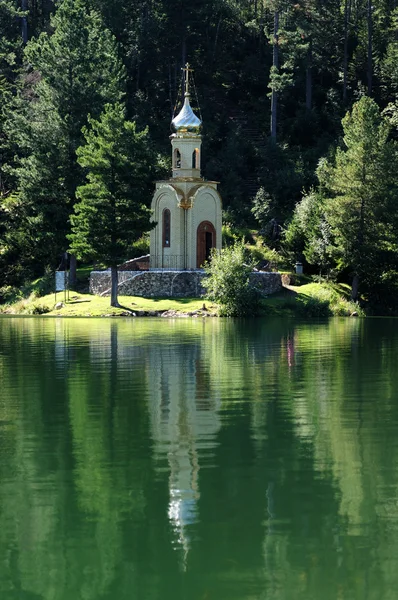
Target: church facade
point(185, 208)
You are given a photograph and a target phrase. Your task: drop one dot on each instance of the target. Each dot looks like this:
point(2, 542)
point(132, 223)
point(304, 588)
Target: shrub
point(38, 309)
point(42, 286)
point(315, 307)
point(229, 237)
point(227, 282)
point(261, 252)
point(140, 247)
point(233, 233)
point(9, 293)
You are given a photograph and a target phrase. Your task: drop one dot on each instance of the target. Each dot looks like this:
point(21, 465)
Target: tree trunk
point(275, 64)
point(216, 38)
point(308, 86)
point(355, 287)
point(345, 62)
point(114, 286)
point(24, 6)
point(360, 242)
point(72, 272)
point(370, 47)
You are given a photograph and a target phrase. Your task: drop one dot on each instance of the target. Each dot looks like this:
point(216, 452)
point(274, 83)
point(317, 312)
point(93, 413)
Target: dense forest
point(298, 101)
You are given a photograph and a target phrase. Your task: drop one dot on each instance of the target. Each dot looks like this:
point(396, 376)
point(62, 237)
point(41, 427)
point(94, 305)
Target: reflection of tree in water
point(302, 486)
point(64, 538)
point(338, 425)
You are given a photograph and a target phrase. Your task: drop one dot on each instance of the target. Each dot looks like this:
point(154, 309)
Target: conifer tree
point(113, 209)
point(10, 62)
point(363, 207)
point(72, 72)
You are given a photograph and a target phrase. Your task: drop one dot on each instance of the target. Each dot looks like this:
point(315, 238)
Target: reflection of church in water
point(184, 423)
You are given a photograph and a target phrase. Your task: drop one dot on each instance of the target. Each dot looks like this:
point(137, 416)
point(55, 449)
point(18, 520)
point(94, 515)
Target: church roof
point(186, 121)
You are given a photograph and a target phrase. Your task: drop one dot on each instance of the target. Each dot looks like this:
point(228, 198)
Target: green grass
point(83, 305)
point(308, 300)
point(311, 300)
point(304, 298)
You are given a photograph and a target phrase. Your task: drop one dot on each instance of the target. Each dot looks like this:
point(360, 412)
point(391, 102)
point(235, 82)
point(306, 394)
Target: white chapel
point(185, 208)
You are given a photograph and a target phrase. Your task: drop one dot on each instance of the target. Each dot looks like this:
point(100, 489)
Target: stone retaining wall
point(176, 284)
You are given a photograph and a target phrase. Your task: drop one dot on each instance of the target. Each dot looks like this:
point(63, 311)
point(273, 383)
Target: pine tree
point(72, 72)
point(112, 212)
point(363, 208)
point(389, 66)
point(10, 62)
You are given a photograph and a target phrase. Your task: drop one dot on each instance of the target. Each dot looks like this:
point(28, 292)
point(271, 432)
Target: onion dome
point(186, 121)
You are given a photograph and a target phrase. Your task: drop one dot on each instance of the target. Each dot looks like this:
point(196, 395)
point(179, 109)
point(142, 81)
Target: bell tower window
point(195, 159)
point(166, 228)
point(177, 159)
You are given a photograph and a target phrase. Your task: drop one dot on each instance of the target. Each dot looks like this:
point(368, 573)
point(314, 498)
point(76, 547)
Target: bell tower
point(186, 142)
point(186, 208)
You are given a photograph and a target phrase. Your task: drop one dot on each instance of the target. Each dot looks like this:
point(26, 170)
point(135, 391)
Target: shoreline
point(308, 301)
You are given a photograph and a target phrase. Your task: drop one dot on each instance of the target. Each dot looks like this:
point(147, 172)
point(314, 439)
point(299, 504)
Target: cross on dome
point(187, 71)
point(186, 122)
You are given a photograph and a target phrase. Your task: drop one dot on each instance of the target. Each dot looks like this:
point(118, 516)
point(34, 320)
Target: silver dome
point(186, 121)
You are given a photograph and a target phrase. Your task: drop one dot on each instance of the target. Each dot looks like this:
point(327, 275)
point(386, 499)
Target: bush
point(229, 237)
point(140, 247)
point(227, 282)
point(25, 306)
point(42, 286)
point(261, 252)
point(9, 293)
point(233, 233)
point(314, 307)
point(38, 309)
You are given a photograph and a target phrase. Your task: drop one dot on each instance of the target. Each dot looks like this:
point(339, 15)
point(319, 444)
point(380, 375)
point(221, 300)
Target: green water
point(198, 460)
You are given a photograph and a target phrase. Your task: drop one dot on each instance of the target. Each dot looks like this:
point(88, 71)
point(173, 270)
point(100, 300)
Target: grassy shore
point(312, 300)
point(307, 300)
point(88, 305)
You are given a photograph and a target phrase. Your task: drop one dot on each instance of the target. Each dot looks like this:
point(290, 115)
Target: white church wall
point(167, 256)
point(206, 207)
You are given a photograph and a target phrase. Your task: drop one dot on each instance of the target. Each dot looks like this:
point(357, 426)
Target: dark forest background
point(274, 80)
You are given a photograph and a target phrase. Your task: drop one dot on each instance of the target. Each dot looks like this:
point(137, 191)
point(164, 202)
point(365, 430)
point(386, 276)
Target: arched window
point(195, 159)
point(166, 228)
point(177, 159)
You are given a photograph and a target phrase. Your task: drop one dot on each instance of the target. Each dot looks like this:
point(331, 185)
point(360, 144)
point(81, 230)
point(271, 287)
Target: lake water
point(198, 459)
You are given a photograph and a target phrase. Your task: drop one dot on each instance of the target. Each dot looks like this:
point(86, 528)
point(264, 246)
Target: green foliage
point(69, 73)
point(311, 300)
point(10, 66)
point(362, 208)
point(38, 308)
point(42, 286)
point(229, 235)
point(260, 252)
point(227, 282)
point(314, 307)
point(29, 289)
point(233, 233)
point(262, 207)
point(349, 223)
point(112, 212)
point(140, 247)
point(25, 306)
point(9, 293)
point(309, 233)
point(72, 66)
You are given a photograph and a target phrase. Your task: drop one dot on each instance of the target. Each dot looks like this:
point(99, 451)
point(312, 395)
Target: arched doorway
point(206, 240)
